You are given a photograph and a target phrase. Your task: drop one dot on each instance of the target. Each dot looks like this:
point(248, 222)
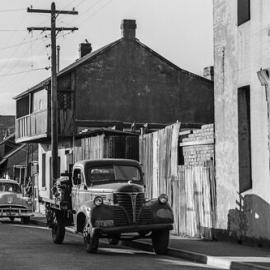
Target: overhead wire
point(95, 12)
point(21, 72)
point(12, 10)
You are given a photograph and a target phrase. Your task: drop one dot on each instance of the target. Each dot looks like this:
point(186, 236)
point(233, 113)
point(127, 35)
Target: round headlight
point(98, 201)
point(163, 198)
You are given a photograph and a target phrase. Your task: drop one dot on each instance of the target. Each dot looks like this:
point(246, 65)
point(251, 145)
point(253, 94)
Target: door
point(76, 179)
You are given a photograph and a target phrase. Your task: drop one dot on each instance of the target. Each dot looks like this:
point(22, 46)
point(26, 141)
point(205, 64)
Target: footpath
point(226, 255)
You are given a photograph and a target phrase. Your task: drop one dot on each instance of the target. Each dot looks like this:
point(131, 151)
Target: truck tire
point(160, 241)
point(25, 220)
point(11, 219)
point(58, 231)
point(90, 242)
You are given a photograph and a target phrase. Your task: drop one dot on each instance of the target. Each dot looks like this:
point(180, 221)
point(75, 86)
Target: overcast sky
point(180, 30)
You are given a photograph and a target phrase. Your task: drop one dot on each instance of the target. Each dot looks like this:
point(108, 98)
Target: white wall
point(45, 149)
point(239, 52)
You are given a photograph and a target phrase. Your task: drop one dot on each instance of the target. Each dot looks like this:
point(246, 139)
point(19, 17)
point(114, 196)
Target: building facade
point(241, 50)
point(123, 81)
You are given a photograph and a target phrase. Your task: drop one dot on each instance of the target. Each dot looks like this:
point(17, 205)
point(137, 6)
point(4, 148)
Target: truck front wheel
point(90, 241)
point(160, 241)
point(58, 230)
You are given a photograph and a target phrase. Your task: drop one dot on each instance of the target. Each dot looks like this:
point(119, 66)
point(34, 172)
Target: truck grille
point(131, 204)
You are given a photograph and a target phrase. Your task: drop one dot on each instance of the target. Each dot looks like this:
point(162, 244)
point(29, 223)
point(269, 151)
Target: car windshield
point(112, 173)
point(10, 187)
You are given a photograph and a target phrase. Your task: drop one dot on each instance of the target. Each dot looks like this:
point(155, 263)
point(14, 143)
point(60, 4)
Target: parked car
point(12, 202)
point(106, 199)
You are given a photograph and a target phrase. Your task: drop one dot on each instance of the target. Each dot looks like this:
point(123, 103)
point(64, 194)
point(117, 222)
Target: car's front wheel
point(160, 241)
point(90, 241)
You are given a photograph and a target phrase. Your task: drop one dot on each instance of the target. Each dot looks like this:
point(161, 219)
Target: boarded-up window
point(244, 140)
point(43, 170)
point(243, 11)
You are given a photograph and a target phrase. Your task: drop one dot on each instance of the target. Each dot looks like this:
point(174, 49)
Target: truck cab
point(108, 201)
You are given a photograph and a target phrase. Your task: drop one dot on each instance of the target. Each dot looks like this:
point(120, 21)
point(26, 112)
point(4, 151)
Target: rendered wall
point(239, 52)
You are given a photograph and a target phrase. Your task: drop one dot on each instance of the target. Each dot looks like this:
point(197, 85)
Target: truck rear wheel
point(160, 241)
point(58, 230)
point(90, 242)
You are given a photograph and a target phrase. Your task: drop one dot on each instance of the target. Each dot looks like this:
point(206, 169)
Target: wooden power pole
point(54, 103)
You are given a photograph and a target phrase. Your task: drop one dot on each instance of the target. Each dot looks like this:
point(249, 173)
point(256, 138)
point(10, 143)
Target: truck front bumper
point(132, 228)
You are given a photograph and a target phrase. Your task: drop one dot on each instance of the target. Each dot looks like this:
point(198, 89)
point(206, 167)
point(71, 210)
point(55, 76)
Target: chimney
point(128, 29)
point(208, 73)
point(85, 48)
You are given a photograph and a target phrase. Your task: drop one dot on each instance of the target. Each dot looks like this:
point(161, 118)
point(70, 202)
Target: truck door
point(76, 179)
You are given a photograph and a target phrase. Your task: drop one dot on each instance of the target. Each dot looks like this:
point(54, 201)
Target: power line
point(12, 30)
point(25, 71)
point(95, 12)
point(11, 10)
point(20, 43)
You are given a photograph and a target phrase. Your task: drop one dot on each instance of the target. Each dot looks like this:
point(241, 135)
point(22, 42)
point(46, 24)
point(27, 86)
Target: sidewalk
point(226, 255)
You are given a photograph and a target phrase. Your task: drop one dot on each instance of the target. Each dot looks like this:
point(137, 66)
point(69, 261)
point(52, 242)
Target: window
point(244, 140)
point(10, 187)
point(20, 173)
point(243, 11)
point(43, 170)
point(77, 177)
point(111, 173)
point(22, 107)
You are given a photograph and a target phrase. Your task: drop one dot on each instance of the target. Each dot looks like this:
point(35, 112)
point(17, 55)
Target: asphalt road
point(30, 247)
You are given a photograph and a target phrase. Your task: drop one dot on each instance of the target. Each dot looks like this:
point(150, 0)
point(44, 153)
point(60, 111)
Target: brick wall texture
point(198, 146)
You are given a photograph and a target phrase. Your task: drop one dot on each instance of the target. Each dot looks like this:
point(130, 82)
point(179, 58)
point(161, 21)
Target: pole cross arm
point(70, 12)
point(49, 28)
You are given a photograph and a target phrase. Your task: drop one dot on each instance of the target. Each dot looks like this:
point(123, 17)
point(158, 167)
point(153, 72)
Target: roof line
point(4, 158)
point(77, 63)
point(171, 63)
point(97, 52)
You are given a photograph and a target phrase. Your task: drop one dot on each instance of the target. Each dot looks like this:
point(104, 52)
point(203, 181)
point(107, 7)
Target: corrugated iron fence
point(193, 199)
point(191, 189)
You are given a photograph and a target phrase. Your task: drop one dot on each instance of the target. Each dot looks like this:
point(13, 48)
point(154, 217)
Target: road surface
point(30, 247)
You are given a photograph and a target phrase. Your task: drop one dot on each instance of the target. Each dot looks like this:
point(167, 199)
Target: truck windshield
point(112, 173)
point(10, 187)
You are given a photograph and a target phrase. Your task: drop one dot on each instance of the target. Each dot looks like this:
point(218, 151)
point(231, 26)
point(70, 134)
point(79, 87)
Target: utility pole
point(54, 103)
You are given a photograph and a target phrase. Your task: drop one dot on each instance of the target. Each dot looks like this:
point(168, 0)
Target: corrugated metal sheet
point(191, 190)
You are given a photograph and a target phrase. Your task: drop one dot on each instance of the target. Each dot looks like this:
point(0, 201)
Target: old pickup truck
point(106, 199)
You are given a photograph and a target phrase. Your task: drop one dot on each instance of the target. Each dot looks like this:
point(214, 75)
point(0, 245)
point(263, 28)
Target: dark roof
point(8, 138)
point(93, 54)
point(69, 68)
point(11, 153)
